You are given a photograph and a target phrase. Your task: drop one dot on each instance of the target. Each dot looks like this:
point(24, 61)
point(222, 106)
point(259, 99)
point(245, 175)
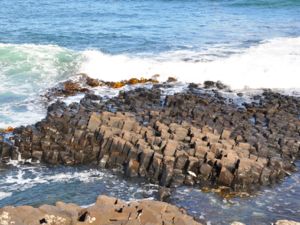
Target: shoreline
point(106, 211)
point(189, 138)
point(73, 90)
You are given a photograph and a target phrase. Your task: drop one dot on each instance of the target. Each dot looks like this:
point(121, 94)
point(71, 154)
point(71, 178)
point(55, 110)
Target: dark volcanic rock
point(193, 138)
point(93, 82)
point(171, 79)
point(209, 84)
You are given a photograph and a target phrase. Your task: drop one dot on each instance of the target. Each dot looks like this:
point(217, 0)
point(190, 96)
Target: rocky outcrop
point(82, 83)
point(287, 222)
point(279, 222)
point(187, 138)
point(106, 211)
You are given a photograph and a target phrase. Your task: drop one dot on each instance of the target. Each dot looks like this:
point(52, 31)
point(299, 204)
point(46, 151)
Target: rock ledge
point(105, 211)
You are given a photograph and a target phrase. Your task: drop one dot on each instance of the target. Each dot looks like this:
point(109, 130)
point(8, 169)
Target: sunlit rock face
point(188, 138)
point(105, 211)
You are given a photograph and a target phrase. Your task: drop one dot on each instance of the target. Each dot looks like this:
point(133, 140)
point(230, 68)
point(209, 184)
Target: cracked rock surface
point(187, 138)
point(105, 211)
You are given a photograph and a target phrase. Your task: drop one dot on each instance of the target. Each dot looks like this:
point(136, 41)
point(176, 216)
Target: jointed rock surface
point(106, 211)
point(187, 138)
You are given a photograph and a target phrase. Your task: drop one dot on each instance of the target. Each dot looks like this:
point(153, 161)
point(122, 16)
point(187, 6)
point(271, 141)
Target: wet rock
point(37, 155)
point(131, 81)
point(192, 138)
point(205, 171)
point(225, 177)
point(92, 82)
point(221, 86)
point(167, 171)
point(164, 193)
point(209, 84)
point(6, 130)
point(145, 160)
point(178, 178)
point(131, 170)
point(181, 160)
point(171, 79)
point(193, 85)
point(155, 167)
point(5, 151)
point(71, 88)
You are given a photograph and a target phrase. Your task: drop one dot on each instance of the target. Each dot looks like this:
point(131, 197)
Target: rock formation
point(106, 211)
point(188, 138)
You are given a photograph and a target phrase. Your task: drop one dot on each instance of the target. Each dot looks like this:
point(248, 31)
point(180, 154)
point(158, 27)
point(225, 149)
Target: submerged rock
point(105, 211)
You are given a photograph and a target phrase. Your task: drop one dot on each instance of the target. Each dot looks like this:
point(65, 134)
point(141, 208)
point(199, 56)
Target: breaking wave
point(27, 70)
point(270, 64)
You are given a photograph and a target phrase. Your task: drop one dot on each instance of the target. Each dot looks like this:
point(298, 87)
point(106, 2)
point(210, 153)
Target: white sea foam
point(4, 195)
point(21, 178)
point(27, 70)
point(25, 178)
point(35, 111)
point(270, 64)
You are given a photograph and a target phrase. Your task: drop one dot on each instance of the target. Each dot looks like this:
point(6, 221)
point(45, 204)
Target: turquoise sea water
point(44, 42)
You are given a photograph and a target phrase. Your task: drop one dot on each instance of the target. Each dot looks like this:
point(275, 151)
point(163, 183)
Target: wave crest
point(27, 70)
point(270, 64)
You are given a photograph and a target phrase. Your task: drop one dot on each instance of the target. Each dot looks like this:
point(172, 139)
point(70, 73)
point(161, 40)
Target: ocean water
point(247, 44)
point(37, 184)
point(244, 43)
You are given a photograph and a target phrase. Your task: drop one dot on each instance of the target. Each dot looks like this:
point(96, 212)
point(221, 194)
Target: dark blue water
point(37, 185)
point(147, 26)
